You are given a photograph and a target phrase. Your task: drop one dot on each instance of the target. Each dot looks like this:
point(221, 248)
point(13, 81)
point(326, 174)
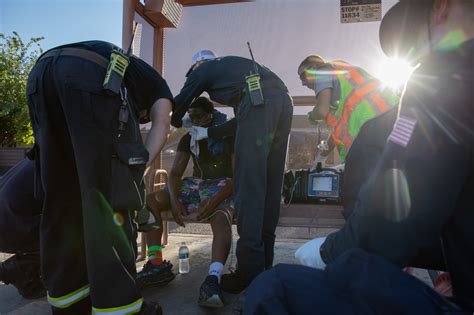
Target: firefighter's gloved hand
point(198, 132)
point(340, 167)
point(308, 254)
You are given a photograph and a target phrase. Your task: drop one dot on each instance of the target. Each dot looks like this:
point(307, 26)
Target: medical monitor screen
point(322, 183)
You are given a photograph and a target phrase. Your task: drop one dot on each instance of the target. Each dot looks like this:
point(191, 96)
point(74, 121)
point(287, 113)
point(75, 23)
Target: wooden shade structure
point(188, 3)
point(160, 14)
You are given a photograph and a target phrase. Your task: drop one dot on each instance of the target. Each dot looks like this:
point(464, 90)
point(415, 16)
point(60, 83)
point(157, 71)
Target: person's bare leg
point(221, 239)
point(156, 272)
point(210, 293)
point(157, 202)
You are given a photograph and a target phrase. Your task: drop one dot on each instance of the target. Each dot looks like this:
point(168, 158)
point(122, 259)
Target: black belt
point(77, 52)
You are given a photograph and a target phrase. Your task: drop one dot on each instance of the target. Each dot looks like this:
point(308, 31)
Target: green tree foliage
point(16, 60)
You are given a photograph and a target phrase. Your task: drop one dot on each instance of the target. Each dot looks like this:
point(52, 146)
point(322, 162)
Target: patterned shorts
point(194, 190)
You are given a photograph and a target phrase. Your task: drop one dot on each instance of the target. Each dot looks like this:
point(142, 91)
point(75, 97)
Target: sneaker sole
point(156, 284)
point(213, 302)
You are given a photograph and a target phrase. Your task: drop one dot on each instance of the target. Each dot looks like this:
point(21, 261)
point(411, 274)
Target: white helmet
point(201, 55)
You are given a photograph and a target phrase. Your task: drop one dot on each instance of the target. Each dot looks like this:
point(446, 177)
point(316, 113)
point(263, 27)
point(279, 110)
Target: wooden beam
point(127, 22)
point(140, 9)
point(164, 13)
point(189, 3)
point(304, 100)
point(158, 49)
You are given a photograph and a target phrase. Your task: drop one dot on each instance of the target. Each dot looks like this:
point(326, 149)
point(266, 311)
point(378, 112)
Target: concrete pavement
point(178, 297)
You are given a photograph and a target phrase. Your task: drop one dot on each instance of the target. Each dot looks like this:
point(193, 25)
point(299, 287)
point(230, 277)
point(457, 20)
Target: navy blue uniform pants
point(86, 249)
point(260, 152)
point(355, 283)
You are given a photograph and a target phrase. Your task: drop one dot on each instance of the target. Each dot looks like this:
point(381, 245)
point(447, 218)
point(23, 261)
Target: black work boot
point(150, 308)
point(23, 271)
point(234, 282)
point(155, 275)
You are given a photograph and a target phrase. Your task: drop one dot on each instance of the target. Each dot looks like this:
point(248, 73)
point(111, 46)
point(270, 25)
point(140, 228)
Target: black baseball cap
point(399, 28)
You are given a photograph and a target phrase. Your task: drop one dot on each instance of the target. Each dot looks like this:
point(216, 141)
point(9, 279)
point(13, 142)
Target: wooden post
point(127, 22)
point(158, 63)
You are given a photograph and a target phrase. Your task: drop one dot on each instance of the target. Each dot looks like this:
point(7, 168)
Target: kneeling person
point(207, 195)
point(20, 216)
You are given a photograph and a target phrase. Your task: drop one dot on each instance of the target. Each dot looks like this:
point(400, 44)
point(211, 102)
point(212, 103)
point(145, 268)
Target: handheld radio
point(253, 84)
point(116, 69)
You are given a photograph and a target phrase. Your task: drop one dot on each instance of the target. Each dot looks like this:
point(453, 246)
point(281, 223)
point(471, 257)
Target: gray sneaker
point(210, 293)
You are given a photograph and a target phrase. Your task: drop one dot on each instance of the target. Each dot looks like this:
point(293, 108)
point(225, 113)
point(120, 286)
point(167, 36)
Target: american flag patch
point(401, 133)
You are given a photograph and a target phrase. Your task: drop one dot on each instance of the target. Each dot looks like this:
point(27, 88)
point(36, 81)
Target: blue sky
point(63, 21)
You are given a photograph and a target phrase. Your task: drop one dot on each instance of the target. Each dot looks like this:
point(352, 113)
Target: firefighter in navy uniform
point(420, 193)
point(261, 136)
point(20, 216)
point(90, 159)
point(366, 150)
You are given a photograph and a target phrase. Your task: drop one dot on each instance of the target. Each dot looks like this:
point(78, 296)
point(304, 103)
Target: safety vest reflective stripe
point(331, 120)
point(381, 104)
point(131, 308)
point(343, 138)
point(347, 140)
point(349, 105)
point(69, 299)
point(359, 93)
point(353, 73)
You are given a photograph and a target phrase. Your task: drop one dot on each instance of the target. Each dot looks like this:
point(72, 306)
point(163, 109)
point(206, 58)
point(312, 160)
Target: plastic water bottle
point(183, 258)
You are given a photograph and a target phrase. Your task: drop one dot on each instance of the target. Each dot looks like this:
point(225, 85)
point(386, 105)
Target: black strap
point(78, 52)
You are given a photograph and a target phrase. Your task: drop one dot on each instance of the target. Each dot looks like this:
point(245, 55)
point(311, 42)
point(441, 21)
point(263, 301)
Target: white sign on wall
point(354, 11)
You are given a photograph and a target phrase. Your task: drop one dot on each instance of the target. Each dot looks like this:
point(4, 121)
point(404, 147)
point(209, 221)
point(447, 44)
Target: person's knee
point(158, 201)
point(265, 284)
point(219, 218)
point(354, 255)
point(220, 222)
point(284, 268)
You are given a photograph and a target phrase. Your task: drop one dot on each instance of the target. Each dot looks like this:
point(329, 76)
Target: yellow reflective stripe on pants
point(131, 308)
point(69, 299)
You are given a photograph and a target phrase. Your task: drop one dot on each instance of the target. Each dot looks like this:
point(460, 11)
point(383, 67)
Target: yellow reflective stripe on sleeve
point(69, 299)
point(131, 308)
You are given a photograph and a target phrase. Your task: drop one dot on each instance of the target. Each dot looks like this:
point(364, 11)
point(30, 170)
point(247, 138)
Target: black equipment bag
point(295, 186)
point(127, 190)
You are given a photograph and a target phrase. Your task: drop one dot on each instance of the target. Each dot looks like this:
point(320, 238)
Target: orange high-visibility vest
point(362, 98)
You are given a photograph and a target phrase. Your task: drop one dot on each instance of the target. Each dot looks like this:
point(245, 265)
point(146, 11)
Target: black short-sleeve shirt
point(144, 84)
point(209, 165)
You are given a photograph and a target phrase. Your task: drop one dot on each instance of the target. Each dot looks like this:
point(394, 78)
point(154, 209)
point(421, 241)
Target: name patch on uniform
point(401, 133)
